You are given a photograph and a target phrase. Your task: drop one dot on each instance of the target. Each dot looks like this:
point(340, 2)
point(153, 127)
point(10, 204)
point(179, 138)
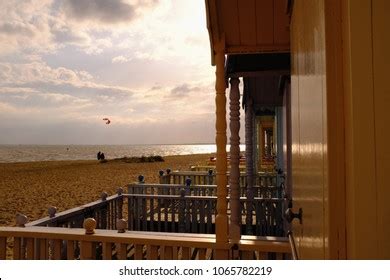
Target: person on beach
point(102, 157)
point(99, 155)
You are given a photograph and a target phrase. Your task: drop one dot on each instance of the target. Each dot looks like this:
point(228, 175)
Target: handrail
point(270, 191)
point(70, 243)
point(66, 215)
point(291, 240)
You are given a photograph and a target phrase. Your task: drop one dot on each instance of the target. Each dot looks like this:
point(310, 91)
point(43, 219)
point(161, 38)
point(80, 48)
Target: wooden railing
point(172, 189)
point(201, 190)
point(53, 243)
point(171, 213)
point(170, 208)
point(209, 178)
point(196, 214)
point(211, 167)
point(105, 211)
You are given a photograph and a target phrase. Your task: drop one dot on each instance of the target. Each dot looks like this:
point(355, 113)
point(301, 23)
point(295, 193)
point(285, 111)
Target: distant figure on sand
point(102, 157)
point(99, 155)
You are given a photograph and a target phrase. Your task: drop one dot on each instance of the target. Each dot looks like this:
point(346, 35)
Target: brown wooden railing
point(69, 243)
point(105, 211)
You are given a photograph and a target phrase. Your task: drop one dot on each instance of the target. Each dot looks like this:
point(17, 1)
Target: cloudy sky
point(67, 64)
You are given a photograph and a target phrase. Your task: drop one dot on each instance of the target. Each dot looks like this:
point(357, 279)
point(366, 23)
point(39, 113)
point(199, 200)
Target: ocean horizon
point(30, 153)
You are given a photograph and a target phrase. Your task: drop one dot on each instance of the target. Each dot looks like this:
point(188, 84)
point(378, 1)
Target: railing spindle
point(138, 252)
point(70, 249)
point(107, 250)
point(43, 249)
point(56, 249)
point(151, 252)
point(3, 248)
point(168, 253)
point(121, 250)
point(30, 252)
point(17, 248)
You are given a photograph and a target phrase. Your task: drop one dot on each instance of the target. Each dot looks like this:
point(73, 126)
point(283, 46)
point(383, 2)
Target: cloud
point(47, 25)
point(66, 64)
point(182, 91)
point(112, 11)
point(53, 90)
point(120, 59)
point(25, 25)
point(108, 12)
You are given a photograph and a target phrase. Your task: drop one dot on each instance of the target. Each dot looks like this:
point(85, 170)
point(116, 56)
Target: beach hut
point(320, 66)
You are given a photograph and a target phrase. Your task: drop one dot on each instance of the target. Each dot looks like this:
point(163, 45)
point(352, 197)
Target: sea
point(28, 153)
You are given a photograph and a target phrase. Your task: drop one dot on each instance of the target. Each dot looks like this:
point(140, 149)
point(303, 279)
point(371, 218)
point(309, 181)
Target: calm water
point(23, 153)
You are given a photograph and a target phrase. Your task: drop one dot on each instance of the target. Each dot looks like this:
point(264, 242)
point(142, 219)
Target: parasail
point(107, 120)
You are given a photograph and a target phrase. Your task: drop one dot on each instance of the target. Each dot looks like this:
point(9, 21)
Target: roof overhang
point(245, 27)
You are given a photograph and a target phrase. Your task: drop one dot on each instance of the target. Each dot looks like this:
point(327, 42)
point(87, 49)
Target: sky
point(67, 64)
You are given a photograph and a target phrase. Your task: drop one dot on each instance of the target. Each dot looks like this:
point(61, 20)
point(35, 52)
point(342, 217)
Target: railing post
point(168, 177)
point(249, 164)
point(102, 218)
point(89, 225)
point(21, 220)
point(210, 177)
point(161, 176)
point(187, 186)
point(19, 246)
point(121, 225)
point(182, 209)
point(221, 221)
point(104, 196)
point(87, 250)
point(141, 179)
point(234, 182)
point(52, 211)
point(120, 203)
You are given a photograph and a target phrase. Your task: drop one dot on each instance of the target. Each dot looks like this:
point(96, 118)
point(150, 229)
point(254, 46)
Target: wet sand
point(30, 188)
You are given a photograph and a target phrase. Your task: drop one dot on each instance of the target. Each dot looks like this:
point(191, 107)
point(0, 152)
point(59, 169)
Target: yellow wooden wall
point(318, 128)
point(308, 101)
point(367, 102)
point(340, 128)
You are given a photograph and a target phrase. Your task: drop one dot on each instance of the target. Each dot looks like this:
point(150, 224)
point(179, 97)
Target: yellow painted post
point(221, 220)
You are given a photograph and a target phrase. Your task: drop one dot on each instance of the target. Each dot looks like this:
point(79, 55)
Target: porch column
point(221, 221)
point(234, 182)
point(249, 127)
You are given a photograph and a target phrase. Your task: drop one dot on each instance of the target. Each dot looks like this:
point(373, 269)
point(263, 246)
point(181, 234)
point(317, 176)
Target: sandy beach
point(30, 188)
